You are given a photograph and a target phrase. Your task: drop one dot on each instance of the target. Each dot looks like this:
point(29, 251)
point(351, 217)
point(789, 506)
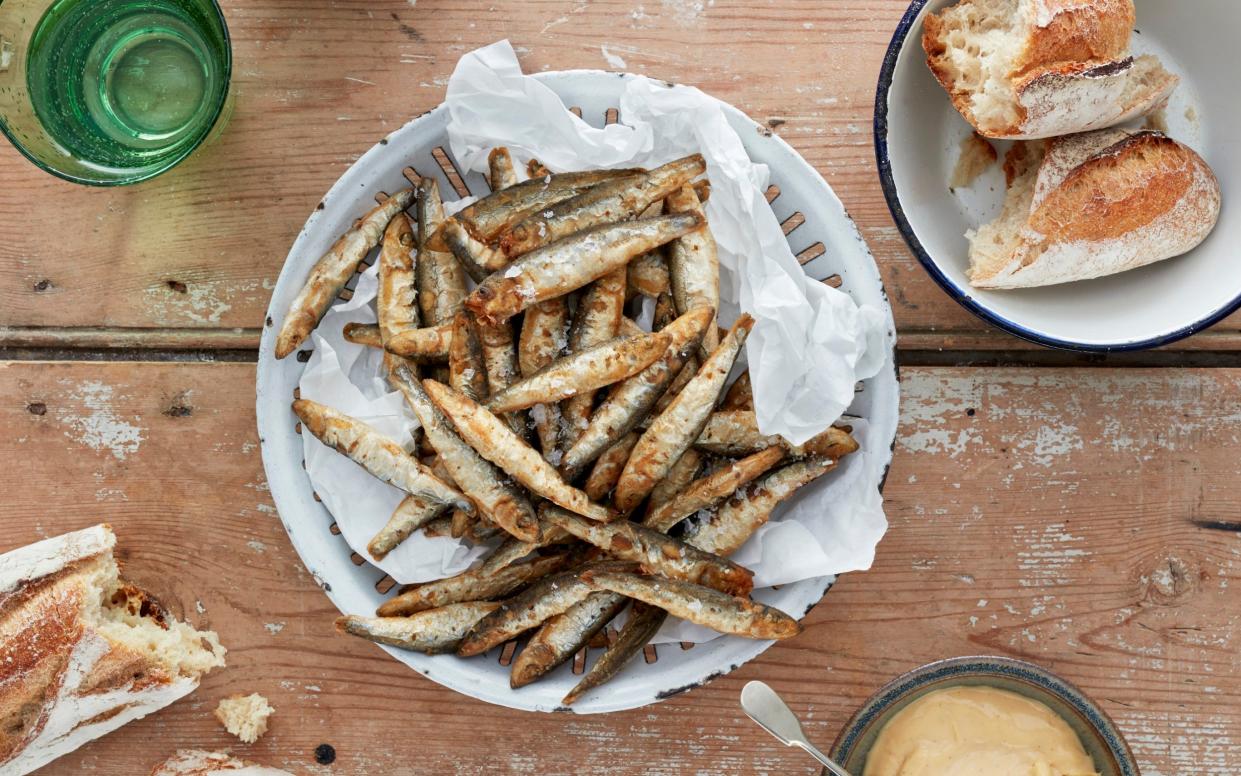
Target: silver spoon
point(766, 708)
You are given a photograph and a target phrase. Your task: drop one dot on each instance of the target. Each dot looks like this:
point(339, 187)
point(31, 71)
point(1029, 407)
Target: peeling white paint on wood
point(99, 427)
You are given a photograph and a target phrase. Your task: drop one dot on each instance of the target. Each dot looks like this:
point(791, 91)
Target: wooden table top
point(1055, 509)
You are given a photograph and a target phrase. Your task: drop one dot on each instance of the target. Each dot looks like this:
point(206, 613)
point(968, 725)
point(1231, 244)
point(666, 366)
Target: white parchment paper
point(811, 342)
point(809, 347)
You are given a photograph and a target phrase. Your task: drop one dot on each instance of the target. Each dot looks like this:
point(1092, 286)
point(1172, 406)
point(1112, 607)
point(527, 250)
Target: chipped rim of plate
point(960, 295)
point(330, 561)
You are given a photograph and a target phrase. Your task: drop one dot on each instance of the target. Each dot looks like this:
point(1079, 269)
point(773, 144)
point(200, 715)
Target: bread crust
point(1132, 202)
point(1120, 189)
point(1075, 32)
point(1080, 97)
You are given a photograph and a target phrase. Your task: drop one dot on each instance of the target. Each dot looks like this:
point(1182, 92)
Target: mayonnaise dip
point(977, 731)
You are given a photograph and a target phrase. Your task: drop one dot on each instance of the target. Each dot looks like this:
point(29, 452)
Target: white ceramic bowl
point(917, 136)
point(352, 587)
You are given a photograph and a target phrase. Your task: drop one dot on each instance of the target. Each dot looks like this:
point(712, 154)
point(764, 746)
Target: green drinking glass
point(109, 92)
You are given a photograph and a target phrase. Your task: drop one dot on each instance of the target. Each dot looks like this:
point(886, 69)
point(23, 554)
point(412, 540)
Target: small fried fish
point(563, 635)
point(485, 219)
point(643, 623)
point(712, 489)
point(542, 600)
point(751, 506)
point(582, 371)
point(569, 264)
point(410, 515)
point(429, 343)
point(396, 302)
point(608, 468)
point(472, 586)
point(673, 431)
point(365, 334)
point(740, 395)
point(435, 631)
point(497, 498)
point(682, 473)
point(630, 402)
point(694, 263)
point(735, 432)
point(514, 550)
point(333, 271)
point(657, 552)
point(499, 342)
point(467, 371)
point(698, 604)
point(599, 317)
point(543, 339)
point(496, 442)
point(440, 280)
point(501, 173)
point(381, 456)
point(608, 202)
point(648, 275)
point(476, 258)
point(683, 377)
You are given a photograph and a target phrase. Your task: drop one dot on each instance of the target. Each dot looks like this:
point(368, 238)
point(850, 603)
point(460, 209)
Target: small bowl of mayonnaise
point(982, 716)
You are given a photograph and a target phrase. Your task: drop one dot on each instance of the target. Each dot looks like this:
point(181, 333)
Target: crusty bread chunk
point(196, 762)
point(245, 716)
point(1094, 204)
point(1032, 69)
point(84, 652)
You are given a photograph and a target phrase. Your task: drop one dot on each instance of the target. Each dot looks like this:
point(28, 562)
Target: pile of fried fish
point(613, 465)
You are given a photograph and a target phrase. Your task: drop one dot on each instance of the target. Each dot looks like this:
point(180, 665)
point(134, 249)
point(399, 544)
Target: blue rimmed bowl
point(917, 140)
point(1098, 733)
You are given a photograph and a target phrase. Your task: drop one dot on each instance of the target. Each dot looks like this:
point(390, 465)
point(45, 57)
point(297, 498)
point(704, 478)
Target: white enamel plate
point(827, 242)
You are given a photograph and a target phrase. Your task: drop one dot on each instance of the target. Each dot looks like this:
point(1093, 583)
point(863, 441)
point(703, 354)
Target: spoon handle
point(830, 764)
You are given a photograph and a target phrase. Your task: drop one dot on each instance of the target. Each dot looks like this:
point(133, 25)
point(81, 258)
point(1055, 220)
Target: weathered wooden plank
point(1084, 519)
point(317, 84)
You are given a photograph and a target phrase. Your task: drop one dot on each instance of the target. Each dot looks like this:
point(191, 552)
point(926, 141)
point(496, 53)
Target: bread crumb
point(245, 716)
point(977, 154)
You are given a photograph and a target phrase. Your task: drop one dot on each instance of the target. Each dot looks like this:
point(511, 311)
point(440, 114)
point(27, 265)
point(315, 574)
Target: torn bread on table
point(639, 489)
point(84, 652)
point(1031, 69)
point(1094, 204)
point(198, 762)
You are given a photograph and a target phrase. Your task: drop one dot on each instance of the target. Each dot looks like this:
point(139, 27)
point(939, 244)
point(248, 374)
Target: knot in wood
point(1172, 580)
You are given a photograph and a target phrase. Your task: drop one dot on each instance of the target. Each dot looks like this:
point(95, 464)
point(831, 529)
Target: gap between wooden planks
point(1221, 349)
point(1083, 519)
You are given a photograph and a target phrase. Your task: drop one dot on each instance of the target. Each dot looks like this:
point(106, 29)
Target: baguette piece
point(196, 762)
point(1094, 204)
point(1030, 69)
point(83, 652)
